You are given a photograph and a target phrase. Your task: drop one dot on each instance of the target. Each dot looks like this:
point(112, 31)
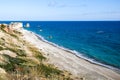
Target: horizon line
point(59, 20)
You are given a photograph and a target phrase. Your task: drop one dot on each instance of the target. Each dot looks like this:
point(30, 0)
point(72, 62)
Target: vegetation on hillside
point(23, 61)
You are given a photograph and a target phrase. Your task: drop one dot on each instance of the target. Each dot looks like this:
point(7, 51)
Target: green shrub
point(40, 57)
point(2, 41)
point(12, 62)
point(21, 52)
point(2, 26)
point(47, 71)
point(37, 53)
point(16, 67)
point(1, 48)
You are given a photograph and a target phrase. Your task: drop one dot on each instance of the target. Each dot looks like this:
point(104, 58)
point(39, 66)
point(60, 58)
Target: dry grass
point(24, 67)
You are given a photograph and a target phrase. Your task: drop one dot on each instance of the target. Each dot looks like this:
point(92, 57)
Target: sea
point(94, 41)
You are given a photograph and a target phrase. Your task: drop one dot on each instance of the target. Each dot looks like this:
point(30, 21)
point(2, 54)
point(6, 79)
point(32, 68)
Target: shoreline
point(77, 54)
point(74, 65)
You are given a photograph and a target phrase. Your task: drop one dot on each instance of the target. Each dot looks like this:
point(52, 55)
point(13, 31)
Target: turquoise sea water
point(97, 41)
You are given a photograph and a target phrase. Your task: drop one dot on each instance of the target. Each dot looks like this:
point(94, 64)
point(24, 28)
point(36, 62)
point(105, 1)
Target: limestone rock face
point(16, 25)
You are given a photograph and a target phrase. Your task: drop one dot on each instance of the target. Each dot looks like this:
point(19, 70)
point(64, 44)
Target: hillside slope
point(20, 60)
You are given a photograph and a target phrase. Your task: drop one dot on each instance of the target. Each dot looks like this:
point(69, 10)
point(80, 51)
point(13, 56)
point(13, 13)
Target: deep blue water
point(97, 40)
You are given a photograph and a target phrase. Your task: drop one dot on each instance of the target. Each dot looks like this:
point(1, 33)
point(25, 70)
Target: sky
point(60, 10)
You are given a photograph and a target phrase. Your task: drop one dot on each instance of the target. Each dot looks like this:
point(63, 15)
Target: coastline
point(67, 60)
point(92, 61)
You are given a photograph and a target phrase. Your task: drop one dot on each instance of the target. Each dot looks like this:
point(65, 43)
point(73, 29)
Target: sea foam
point(76, 53)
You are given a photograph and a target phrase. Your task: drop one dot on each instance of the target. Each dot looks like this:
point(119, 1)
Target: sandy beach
point(65, 60)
